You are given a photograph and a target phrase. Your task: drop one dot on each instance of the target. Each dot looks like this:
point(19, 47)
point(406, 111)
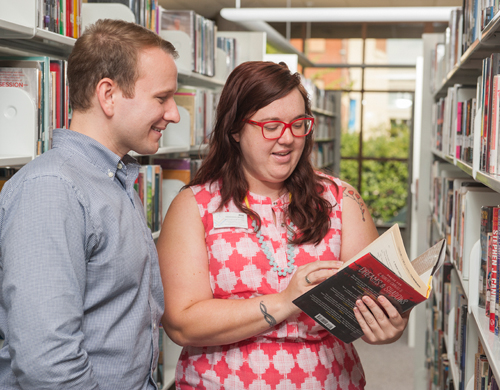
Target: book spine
point(493, 142)
point(493, 287)
point(483, 271)
point(458, 151)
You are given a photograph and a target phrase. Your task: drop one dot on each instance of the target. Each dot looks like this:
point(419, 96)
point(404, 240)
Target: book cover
point(43, 64)
point(382, 268)
point(181, 20)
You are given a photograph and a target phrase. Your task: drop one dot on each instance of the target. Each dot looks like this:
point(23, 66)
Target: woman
point(244, 239)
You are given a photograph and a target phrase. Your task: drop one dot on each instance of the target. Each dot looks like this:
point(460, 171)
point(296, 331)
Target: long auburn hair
point(250, 87)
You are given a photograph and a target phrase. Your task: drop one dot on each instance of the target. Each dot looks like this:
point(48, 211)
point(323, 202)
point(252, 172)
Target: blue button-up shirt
point(81, 294)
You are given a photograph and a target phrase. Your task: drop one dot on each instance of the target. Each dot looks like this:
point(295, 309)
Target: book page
point(390, 251)
point(428, 261)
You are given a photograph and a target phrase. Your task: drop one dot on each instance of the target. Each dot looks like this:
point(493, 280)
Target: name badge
point(226, 220)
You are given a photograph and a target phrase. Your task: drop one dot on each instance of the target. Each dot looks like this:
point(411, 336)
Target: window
point(377, 80)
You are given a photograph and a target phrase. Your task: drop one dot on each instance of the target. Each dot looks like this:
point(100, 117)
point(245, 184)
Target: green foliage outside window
point(384, 183)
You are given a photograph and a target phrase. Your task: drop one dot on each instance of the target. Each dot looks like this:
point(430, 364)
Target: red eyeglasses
point(275, 129)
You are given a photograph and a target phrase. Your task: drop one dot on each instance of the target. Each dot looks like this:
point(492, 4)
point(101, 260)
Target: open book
point(382, 268)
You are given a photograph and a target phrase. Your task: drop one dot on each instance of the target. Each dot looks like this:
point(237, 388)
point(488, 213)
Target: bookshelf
point(326, 150)
point(437, 165)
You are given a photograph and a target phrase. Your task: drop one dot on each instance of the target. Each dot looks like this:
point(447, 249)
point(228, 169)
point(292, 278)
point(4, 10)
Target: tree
point(384, 183)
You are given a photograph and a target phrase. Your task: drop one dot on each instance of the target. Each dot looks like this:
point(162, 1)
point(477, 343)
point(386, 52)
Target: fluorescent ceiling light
point(344, 14)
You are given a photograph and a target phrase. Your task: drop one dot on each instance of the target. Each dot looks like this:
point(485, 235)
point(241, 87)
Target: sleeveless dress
point(296, 353)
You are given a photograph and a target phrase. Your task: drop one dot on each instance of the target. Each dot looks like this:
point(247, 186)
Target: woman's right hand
point(308, 276)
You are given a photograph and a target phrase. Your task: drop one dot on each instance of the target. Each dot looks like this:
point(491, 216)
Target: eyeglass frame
point(286, 125)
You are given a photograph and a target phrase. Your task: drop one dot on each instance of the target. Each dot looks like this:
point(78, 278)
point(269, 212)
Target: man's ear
point(106, 95)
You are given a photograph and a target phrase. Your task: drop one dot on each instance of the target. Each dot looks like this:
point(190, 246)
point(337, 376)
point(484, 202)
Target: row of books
point(456, 200)
point(200, 30)
point(439, 306)
point(465, 27)
point(176, 173)
point(158, 184)
point(45, 83)
point(320, 99)
point(466, 212)
point(146, 11)
point(60, 16)
point(468, 112)
point(483, 375)
point(322, 154)
point(149, 187)
point(324, 127)
point(200, 103)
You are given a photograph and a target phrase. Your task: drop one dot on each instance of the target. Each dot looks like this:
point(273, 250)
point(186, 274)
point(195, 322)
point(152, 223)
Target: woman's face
point(268, 163)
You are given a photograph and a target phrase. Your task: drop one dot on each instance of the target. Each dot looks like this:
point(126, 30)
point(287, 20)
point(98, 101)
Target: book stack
point(149, 187)
point(60, 16)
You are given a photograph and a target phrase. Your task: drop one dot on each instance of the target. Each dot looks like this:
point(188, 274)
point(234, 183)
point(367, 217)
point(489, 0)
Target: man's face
point(138, 121)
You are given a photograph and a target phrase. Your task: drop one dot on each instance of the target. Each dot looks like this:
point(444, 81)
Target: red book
point(55, 66)
point(383, 268)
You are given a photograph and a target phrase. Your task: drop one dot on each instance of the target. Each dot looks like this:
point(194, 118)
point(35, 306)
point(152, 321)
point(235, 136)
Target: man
point(81, 296)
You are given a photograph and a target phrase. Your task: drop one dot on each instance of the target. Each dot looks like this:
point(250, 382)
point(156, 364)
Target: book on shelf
point(149, 188)
point(145, 11)
point(228, 46)
point(469, 202)
point(201, 104)
point(492, 268)
point(202, 33)
point(486, 231)
point(176, 174)
point(382, 268)
point(60, 16)
point(41, 63)
point(29, 80)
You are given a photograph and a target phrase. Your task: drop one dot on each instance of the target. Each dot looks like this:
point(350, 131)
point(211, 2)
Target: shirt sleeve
point(44, 243)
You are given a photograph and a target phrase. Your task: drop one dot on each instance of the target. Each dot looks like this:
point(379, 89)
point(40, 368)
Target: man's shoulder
point(44, 169)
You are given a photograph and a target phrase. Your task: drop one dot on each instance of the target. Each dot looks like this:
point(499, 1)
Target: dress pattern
point(296, 353)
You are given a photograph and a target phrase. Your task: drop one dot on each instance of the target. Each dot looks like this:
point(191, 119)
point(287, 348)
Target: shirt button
point(154, 326)
point(111, 174)
point(120, 166)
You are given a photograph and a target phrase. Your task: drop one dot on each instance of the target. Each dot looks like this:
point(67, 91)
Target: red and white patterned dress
point(296, 353)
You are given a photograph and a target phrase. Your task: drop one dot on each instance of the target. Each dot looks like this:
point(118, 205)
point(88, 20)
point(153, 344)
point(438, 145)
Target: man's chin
point(145, 151)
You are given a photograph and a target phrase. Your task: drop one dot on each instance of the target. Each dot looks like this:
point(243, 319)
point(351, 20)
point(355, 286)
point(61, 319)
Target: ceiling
point(211, 8)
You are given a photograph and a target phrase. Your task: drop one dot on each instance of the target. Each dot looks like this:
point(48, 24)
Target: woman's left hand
point(379, 327)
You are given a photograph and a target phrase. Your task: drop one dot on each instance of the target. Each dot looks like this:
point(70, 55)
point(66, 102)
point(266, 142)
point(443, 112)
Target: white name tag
point(226, 220)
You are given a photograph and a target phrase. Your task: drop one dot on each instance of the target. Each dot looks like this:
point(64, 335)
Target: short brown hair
point(250, 87)
point(109, 48)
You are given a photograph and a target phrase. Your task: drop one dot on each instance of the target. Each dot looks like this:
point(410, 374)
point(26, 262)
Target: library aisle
point(387, 367)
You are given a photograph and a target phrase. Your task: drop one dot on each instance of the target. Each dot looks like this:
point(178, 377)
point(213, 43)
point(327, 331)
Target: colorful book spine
point(493, 287)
